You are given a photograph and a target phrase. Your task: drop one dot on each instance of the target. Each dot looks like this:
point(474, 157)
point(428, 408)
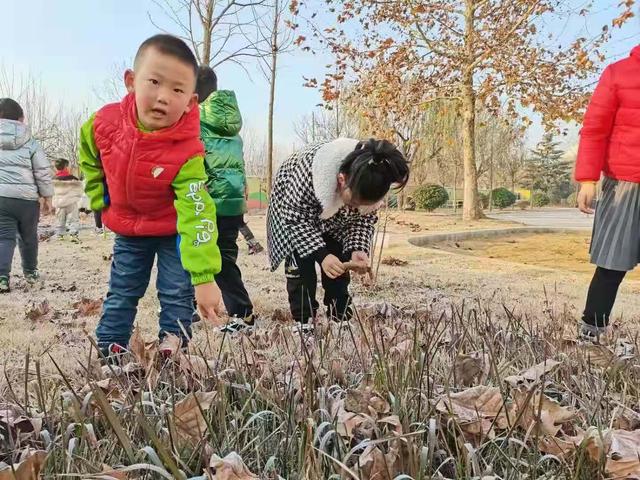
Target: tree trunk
point(272, 96)
point(206, 28)
point(471, 208)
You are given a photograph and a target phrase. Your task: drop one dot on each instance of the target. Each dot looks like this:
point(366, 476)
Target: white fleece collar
point(325, 169)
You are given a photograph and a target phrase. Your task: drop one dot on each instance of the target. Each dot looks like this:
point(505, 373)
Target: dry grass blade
point(114, 421)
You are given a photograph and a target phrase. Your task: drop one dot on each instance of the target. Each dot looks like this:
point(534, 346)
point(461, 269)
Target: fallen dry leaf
point(111, 472)
point(475, 409)
point(558, 446)
point(374, 465)
point(29, 467)
point(395, 262)
point(533, 374)
point(189, 421)
point(39, 311)
point(145, 353)
point(231, 467)
point(87, 307)
point(365, 399)
point(622, 450)
point(547, 414)
point(471, 367)
point(197, 366)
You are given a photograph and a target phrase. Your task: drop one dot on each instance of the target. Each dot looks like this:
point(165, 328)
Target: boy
point(25, 179)
point(144, 169)
point(66, 198)
point(220, 123)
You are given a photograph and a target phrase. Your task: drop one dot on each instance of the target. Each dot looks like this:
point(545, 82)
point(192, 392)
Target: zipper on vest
point(129, 180)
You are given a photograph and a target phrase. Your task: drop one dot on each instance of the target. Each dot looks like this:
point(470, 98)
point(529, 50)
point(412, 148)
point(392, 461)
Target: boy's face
point(164, 89)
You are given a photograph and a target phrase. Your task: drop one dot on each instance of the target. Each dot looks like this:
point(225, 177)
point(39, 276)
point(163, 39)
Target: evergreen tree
point(547, 171)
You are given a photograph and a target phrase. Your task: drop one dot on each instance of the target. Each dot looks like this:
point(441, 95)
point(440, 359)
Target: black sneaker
point(113, 353)
point(32, 277)
point(237, 324)
point(590, 334)
point(4, 284)
point(304, 328)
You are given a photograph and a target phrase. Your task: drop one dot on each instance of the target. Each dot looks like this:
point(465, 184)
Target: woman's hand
point(586, 196)
point(332, 266)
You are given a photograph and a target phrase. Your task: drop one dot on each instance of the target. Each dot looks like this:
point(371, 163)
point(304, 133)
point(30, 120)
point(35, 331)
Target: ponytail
point(372, 168)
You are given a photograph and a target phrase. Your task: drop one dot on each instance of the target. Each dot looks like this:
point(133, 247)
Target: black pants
point(18, 218)
point(234, 294)
point(602, 296)
point(97, 218)
point(302, 282)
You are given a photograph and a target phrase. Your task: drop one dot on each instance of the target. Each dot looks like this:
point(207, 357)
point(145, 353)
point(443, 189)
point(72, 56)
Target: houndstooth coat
point(305, 205)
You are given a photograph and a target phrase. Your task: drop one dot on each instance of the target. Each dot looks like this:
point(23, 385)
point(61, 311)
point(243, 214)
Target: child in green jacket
point(220, 123)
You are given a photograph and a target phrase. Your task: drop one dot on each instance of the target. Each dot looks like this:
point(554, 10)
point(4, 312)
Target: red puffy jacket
point(140, 167)
point(610, 135)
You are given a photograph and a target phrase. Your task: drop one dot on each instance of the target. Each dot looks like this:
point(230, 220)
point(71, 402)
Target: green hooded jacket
point(220, 123)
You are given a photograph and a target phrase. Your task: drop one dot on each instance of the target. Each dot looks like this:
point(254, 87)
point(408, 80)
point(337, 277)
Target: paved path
point(552, 217)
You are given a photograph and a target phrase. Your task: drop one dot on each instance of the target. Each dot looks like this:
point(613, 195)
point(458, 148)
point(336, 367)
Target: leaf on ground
point(533, 374)
point(29, 468)
point(113, 473)
point(145, 353)
point(188, 417)
point(394, 262)
point(471, 367)
point(196, 365)
point(558, 446)
point(348, 422)
point(374, 465)
point(546, 415)
point(231, 467)
point(365, 399)
point(87, 307)
point(110, 387)
point(476, 408)
point(622, 450)
point(39, 311)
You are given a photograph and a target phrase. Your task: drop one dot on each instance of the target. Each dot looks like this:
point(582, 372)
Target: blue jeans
point(130, 272)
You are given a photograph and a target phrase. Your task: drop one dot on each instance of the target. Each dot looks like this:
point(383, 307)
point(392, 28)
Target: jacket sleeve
point(300, 215)
point(596, 129)
point(197, 229)
point(41, 171)
point(95, 185)
point(361, 230)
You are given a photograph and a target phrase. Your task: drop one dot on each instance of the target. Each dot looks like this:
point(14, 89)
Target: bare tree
point(218, 30)
point(273, 39)
point(323, 124)
point(112, 89)
point(54, 125)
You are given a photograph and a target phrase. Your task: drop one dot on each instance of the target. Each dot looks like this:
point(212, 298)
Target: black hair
point(169, 45)
point(61, 163)
point(206, 82)
point(372, 168)
point(10, 109)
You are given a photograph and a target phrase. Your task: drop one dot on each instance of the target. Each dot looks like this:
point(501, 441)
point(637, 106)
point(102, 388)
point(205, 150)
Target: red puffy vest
point(610, 135)
point(139, 168)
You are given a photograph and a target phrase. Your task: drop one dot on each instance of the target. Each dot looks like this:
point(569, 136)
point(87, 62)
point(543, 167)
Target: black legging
point(602, 296)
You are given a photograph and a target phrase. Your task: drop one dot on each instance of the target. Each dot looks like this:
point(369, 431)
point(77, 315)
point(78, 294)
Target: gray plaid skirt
point(615, 243)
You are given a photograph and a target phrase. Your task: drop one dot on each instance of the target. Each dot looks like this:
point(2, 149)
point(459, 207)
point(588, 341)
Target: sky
point(74, 46)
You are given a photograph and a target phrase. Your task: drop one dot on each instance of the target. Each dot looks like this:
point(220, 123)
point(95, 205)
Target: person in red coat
point(609, 152)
